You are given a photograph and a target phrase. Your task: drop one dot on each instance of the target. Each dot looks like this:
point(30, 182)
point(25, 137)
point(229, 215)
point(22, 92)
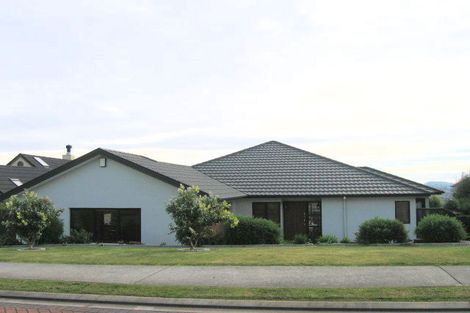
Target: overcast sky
point(379, 83)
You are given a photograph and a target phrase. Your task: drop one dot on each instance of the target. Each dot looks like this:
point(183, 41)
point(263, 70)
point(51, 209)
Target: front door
point(302, 217)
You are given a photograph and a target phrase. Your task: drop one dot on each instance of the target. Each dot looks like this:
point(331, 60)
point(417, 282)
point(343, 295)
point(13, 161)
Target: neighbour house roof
point(33, 160)
point(276, 169)
point(24, 174)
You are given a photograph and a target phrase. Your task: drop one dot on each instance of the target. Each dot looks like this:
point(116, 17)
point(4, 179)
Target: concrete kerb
point(239, 304)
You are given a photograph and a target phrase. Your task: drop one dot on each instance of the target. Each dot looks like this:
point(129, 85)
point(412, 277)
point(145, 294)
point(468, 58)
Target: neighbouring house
point(120, 196)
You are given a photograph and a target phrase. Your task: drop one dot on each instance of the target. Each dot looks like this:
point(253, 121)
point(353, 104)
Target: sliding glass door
point(108, 225)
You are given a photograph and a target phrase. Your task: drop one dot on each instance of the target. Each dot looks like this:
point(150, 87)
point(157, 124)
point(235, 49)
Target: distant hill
point(444, 186)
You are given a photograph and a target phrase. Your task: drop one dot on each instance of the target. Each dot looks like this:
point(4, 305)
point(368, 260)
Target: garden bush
point(440, 228)
point(465, 219)
point(381, 230)
point(7, 237)
point(54, 232)
point(79, 236)
point(346, 240)
point(301, 239)
point(252, 230)
point(328, 239)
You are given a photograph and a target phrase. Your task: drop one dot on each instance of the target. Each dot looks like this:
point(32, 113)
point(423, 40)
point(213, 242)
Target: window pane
point(402, 211)
point(273, 212)
point(420, 203)
point(259, 210)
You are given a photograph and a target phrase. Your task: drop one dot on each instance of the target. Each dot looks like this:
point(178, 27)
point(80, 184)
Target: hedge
point(440, 228)
point(381, 230)
point(252, 230)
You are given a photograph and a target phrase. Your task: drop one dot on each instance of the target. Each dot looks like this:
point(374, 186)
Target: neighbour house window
point(402, 211)
point(420, 203)
point(20, 163)
point(267, 210)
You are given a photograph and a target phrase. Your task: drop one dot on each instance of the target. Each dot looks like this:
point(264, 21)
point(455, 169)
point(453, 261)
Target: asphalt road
point(246, 276)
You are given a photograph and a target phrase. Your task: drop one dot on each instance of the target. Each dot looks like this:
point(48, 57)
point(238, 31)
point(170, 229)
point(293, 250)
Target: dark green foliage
point(462, 193)
point(451, 205)
point(79, 236)
point(54, 232)
point(440, 228)
point(465, 220)
point(381, 230)
point(300, 239)
point(436, 202)
point(7, 237)
point(346, 240)
point(328, 239)
point(252, 230)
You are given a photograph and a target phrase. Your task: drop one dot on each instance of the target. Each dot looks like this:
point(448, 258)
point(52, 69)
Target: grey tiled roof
point(24, 174)
point(276, 169)
point(182, 174)
point(401, 179)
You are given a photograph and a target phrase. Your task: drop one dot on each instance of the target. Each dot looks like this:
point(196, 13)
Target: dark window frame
point(422, 201)
point(408, 220)
point(265, 208)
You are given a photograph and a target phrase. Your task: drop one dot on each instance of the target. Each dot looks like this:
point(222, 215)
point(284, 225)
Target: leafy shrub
point(79, 236)
point(346, 240)
point(27, 215)
point(301, 239)
point(436, 202)
point(194, 215)
point(465, 219)
point(54, 232)
point(7, 237)
point(252, 230)
point(381, 230)
point(328, 239)
point(451, 205)
point(440, 228)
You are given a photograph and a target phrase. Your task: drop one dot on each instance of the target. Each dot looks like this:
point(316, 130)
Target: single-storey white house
point(121, 197)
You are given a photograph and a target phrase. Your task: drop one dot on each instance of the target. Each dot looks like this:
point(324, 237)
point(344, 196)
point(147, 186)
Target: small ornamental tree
point(194, 215)
point(27, 216)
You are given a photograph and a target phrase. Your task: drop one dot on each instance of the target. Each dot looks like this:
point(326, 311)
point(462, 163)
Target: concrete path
point(246, 276)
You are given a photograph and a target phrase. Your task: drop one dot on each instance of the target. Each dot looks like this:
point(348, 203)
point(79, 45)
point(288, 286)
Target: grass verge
point(311, 294)
point(271, 255)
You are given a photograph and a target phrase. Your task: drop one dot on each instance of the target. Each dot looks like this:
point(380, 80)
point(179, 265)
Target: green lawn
point(312, 294)
point(275, 255)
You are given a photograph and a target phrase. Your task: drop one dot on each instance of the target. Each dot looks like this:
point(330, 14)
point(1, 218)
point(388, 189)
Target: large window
point(108, 225)
point(268, 210)
point(402, 211)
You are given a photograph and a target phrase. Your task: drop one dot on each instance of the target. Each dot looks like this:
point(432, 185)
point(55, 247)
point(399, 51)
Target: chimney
point(68, 155)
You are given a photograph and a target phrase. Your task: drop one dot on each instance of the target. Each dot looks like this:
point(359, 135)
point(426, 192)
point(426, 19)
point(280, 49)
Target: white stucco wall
point(114, 186)
point(358, 211)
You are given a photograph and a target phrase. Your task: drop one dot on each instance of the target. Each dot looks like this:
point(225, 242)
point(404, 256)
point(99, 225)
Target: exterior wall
point(114, 186)
point(358, 210)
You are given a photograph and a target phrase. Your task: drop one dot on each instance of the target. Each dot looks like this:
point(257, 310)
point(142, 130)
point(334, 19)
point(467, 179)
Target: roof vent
point(16, 181)
point(68, 155)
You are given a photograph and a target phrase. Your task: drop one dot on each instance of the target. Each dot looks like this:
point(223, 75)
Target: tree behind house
point(194, 215)
point(27, 215)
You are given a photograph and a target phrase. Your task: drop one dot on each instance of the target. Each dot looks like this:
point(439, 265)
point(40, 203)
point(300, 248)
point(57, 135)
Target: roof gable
point(277, 169)
point(33, 161)
point(171, 173)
